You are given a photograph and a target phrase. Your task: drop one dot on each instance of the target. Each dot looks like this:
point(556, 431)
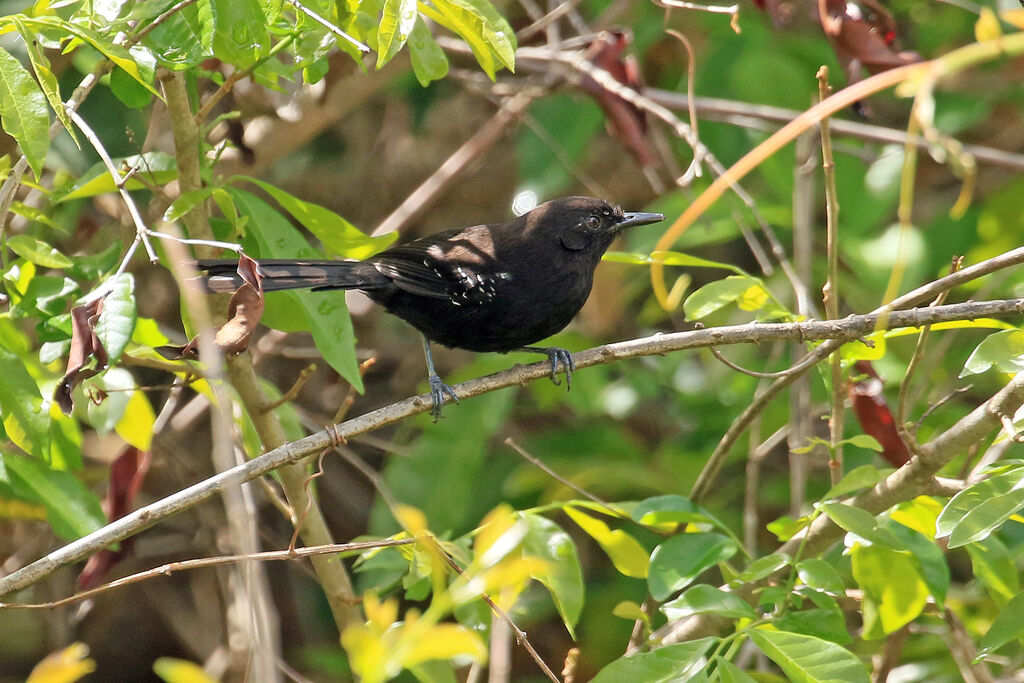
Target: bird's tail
point(278, 274)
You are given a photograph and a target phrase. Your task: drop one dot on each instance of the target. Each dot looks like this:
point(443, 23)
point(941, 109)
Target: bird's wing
point(456, 265)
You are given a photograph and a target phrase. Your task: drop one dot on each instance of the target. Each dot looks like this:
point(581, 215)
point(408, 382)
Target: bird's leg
point(557, 357)
point(438, 389)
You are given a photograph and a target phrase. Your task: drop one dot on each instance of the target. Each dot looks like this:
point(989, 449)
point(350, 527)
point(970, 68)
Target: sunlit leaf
point(136, 423)
point(625, 552)
point(678, 561)
point(180, 671)
point(24, 415)
point(37, 251)
point(63, 666)
point(397, 20)
point(819, 574)
point(23, 111)
point(972, 514)
point(894, 593)
point(1003, 350)
point(429, 62)
point(664, 665)
point(806, 659)
point(706, 599)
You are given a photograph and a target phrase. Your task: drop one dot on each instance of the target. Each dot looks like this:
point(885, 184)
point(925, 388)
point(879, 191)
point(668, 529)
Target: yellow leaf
point(63, 666)
point(1014, 17)
point(367, 654)
point(136, 424)
point(446, 641)
point(180, 671)
point(498, 535)
point(626, 553)
point(918, 514)
point(987, 27)
point(753, 299)
point(380, 614)
point(412, 519)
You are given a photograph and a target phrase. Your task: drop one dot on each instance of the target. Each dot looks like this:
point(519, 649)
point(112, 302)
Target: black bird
point(497, 287)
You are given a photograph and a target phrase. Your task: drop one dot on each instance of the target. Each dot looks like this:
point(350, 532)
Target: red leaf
point(874, 415)
point(85, 346)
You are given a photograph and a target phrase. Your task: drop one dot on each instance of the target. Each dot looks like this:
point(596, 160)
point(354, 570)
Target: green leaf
point(338, 236)
point(894, 594)
point(669, 511)
point(972, 514)
point(670, 258)
point(396, 25)
point(806, 659)
point(117, 319)
point(762, 567)
point(23, 111)
point(664, 665)
point(678, 561)
point(241, 36)
point(702, 599)
point(38, 252)
point(143, 73)
point(132, 93)
point(747, 292)
point(730, 673)
point(865, 441)
point(563, 577)
point(324, 314)
point(627, 609)
point(858, 478)
point(71, 509)
point(1007, 626)
point(118, 384)
point(820, 574)
point(786, 527)
point(185, 39)
point(25, 417)
point(826, 623)
point(927, 556)
point(157, 168)
point(994, 568)
point(1004, 350)
point(429, 62)
point(625, 552)
point(44, 75)
point(468, 24)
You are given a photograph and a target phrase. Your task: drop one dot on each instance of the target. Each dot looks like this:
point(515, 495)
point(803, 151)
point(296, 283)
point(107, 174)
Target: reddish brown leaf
point(626, 122)
point(244, 312)
point(863, 36)
point(874, 416)
point(85, 346)
point(127, 473)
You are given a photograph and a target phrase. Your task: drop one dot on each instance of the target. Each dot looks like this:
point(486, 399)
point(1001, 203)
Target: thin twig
point(712, 9)
point(536, 462)
point(483, 139)
point(293, 391)
point(199, 563)
point(831, 288)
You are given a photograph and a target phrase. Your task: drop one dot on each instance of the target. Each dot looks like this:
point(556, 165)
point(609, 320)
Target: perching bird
point(498, 287)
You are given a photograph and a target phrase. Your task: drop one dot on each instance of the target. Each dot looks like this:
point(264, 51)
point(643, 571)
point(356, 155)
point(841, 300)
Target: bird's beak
point(638, 218)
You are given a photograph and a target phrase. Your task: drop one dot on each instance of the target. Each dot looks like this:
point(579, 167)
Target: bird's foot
point(438, 390)
point(561, 357)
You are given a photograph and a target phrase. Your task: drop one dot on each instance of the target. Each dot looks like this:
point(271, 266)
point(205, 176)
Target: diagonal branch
point(847, 329)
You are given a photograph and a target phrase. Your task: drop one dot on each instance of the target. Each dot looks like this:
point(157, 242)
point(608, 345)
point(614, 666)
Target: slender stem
point(831, 289)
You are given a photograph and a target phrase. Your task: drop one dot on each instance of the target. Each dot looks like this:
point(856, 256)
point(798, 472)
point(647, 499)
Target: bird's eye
point(593, 222)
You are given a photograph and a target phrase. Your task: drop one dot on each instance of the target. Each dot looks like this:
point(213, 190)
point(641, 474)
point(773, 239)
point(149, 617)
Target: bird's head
point(585, 223)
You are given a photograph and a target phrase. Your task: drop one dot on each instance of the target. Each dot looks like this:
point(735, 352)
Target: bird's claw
point(438, 389)
point(564, 358)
